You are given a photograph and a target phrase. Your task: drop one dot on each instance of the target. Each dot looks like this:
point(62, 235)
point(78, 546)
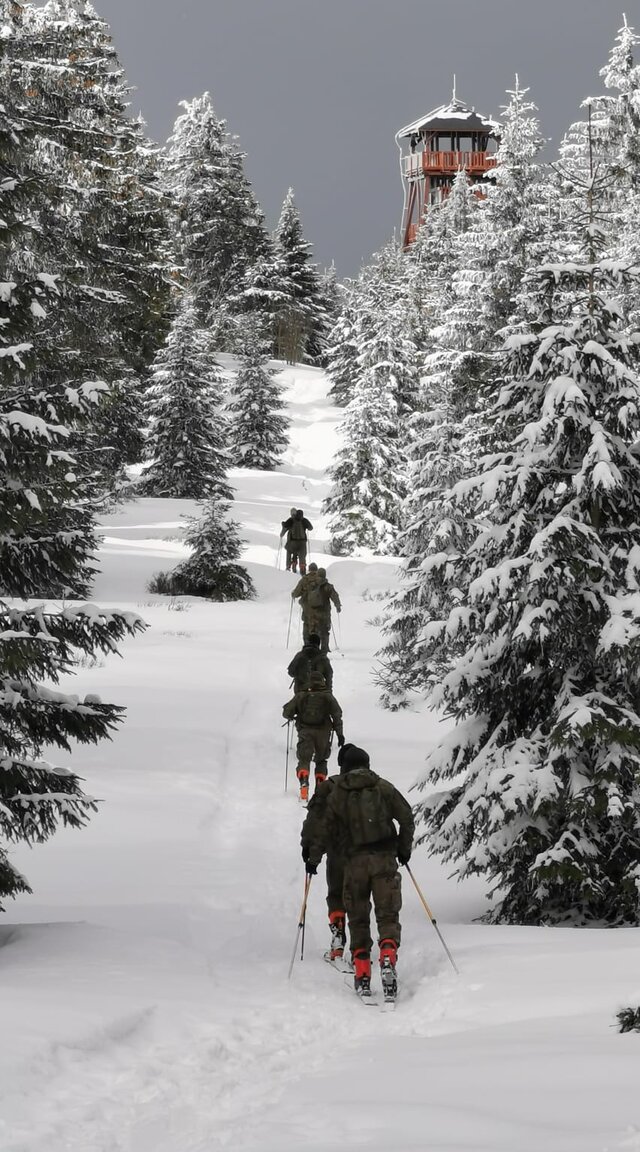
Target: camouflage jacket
point(328, 829)
point(325, 707)
point(310, 659)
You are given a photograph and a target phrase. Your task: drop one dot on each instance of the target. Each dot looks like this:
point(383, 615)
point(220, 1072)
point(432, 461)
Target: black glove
point(403, 859)
point(310, 868)
point(340, 741)
point(305, 855)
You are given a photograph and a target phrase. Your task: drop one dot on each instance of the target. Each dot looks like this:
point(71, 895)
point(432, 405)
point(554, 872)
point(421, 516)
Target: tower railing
point(418, 162)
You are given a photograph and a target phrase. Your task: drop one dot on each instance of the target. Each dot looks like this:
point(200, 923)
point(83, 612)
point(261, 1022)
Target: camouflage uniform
point(309, 659)
point(316, 616)
point(314, 734)
point(371, 869)
point(307, 586)
point(296, 549)
point(335, 861)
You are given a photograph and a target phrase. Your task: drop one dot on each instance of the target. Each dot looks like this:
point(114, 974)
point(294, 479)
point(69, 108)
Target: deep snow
point(143, 991)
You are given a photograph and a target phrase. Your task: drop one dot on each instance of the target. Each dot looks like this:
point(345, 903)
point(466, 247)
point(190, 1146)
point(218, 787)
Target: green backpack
point(315, 597)
point(368, 818)
point(297, 530)
point(313, 709)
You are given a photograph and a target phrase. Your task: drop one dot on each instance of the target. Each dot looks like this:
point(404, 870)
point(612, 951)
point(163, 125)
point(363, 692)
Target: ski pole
point(286, 763)
point(432, 919)
point(301, 919)
point(279, 553)
point(304, 924)
point(335, 642)
point(289, 628)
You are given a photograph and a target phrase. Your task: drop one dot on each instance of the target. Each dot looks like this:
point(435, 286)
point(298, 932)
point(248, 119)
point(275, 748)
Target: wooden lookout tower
point(432, 151)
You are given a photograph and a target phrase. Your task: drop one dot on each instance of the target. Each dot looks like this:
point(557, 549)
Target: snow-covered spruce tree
point(342, 347)
point(439, 448)
point(369, 472)
point(46, 536)
point(538, 785)
point(101, 227)
point(264, 291)
point(331, 299)
point(212, 570)
point(255, 410)
point(301, 325)
point(187, 438)
point(219, 227)
point(470, 290)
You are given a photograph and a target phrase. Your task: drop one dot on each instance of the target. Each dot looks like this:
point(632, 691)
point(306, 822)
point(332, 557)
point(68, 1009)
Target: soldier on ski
point(317, 714)
point(316, 595)
point(310, 659)
point(296, 528)
point(319, 609)
point(359, 822)
point(308, 585)
point(311, 832)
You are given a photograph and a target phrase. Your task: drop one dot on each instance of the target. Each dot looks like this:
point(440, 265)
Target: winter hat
point(322, 571)
point(314, 639)
point(353, 757)
point(299, 513)
point(342, 753)
point(292, 511)
point(313, 567)
point(316, 680)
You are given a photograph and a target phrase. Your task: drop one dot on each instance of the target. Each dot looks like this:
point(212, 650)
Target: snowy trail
point(143, 987)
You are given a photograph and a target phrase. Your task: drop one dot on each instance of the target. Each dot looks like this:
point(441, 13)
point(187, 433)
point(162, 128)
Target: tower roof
point(451, 117)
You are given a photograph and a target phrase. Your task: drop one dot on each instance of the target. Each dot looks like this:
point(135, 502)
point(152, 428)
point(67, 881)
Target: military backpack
point(297, 530)
point(313, 709)
point(368, 818)
point(315, 597)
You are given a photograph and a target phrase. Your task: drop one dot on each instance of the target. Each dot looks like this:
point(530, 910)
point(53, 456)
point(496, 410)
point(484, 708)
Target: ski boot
point(362, 970)
point(388, 960)
point(320, 778)
point(338, 935)
point(303, 780)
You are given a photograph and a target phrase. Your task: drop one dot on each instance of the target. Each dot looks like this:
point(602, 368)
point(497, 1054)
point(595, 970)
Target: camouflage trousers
point(318, 622)
point(297, 554)
point(314, 743)
point(335, 883)
point(367, 875)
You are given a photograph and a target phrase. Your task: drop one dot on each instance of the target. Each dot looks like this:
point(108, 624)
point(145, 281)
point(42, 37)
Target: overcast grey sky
point(316, 89)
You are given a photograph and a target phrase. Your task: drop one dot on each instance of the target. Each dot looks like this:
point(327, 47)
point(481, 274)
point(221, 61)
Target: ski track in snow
point(143, 987)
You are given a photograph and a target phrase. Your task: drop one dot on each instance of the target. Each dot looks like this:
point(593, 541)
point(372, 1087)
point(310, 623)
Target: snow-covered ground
point(144, 1003)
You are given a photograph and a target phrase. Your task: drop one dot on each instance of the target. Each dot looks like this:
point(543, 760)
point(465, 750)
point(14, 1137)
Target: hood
point(358, 778)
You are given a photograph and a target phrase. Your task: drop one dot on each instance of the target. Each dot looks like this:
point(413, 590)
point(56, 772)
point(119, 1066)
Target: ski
point(370, 1001)
point(339, 963)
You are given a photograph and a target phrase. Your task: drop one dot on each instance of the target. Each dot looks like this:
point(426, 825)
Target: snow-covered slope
point(143, 992)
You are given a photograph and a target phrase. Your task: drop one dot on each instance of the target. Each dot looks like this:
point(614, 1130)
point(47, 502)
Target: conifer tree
point(102, 225)
point(220, 230)
point(46, 530)
point(212, 570)
point(538, 785)
point(187, 439)
point(301, 329)
point(368, 474)
point(470, 290)
point(255, 410)
point(342, 347)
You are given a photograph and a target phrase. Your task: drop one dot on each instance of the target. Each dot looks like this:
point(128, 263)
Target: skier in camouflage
point(311, 830)
point(317, 714)
point(310, 659)
point(316, 596)
point(296, 529)
point(359, 820)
